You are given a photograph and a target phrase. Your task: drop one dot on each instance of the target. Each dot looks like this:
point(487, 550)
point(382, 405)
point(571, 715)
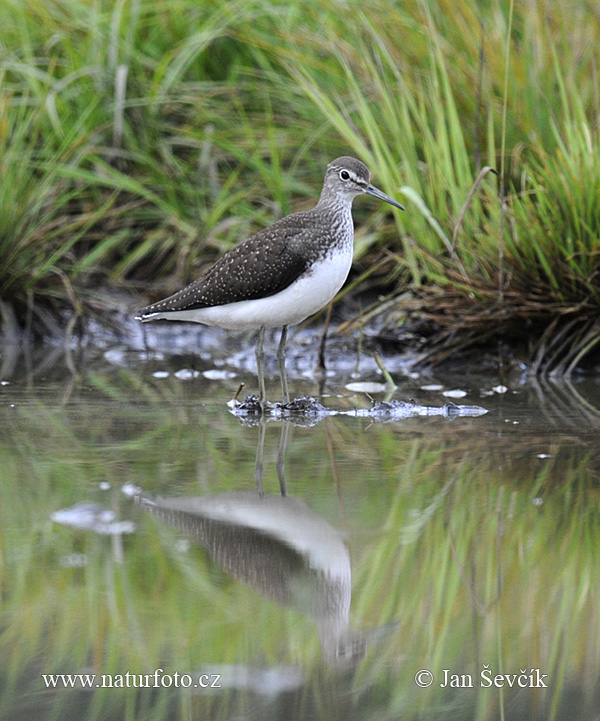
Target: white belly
point(288, 307)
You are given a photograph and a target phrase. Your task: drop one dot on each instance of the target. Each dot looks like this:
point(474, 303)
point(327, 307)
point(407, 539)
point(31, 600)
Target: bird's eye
point(344, 175)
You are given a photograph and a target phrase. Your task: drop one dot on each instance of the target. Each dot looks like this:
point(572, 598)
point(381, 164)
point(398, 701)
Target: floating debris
point(543, 455)
point(161, 374)
point(309, 408)
point(251, 406)
point(500, 389)
point(185, 374)
point(456, 393)
point(367, 387)
point(214, 374)
point(306, 406)
point(451, 410)
point(393, 410)
point(88, 516)
point(432, 387)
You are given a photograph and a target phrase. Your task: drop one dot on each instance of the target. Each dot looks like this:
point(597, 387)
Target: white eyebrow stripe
point(356, 179)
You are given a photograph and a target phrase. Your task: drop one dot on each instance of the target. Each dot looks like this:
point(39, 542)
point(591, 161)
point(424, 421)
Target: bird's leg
point(260, 450)
point(260, 365)
point(280, 466)
point(281, 361)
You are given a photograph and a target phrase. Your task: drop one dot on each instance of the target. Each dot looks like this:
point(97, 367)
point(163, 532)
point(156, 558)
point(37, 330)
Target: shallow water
point(362, 558)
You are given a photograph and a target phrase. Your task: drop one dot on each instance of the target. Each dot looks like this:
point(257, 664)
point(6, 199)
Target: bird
point(281, 275)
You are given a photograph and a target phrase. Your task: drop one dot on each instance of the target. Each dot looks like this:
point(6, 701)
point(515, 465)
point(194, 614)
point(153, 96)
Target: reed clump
point(141, 139)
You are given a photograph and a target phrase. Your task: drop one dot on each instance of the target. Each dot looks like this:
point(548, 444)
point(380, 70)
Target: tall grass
point(141, 139)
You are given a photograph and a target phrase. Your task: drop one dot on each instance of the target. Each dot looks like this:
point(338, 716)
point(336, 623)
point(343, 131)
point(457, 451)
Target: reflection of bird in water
point(280, 548)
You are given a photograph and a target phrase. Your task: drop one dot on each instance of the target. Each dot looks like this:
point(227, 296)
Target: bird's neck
point(334, 205)
point(335, 216)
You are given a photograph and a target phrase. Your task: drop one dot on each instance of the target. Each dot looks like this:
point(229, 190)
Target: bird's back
point(264, 264)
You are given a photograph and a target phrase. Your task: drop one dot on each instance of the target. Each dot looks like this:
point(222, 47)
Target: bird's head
point(348, 177)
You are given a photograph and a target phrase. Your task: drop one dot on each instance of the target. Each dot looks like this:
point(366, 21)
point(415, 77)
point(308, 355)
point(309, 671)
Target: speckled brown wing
point(261, 266)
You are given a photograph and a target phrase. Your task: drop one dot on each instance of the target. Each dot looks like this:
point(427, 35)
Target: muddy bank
point(404, 337)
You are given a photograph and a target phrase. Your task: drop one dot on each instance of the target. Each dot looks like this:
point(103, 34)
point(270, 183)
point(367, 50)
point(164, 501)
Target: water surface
point(362, 555)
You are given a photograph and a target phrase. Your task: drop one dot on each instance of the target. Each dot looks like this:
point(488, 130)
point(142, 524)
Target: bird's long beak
point(376, 193)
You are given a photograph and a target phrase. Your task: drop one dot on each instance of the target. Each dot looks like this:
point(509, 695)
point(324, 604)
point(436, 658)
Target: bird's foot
point(252, 406)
